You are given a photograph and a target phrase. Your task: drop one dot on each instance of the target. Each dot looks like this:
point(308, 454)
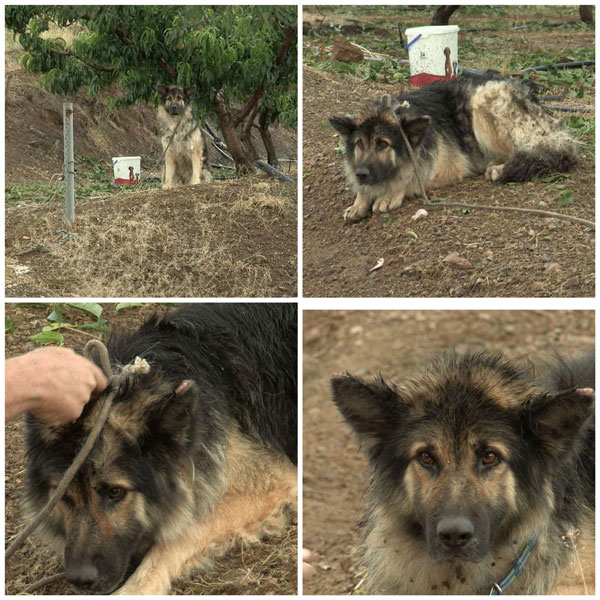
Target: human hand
point(52, 383)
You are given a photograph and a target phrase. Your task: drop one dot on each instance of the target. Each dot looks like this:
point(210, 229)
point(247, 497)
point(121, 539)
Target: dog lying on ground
point(456, 129)
point(183, 144)
point(197, 455)
point(476, 466)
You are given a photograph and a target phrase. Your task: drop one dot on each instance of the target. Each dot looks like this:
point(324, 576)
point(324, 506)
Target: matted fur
point(197, 455)
point(470, 458)
point(181, 137)
point(456, 129)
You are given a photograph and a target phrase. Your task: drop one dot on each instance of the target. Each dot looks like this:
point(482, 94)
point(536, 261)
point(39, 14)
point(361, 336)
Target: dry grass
point(226, 239)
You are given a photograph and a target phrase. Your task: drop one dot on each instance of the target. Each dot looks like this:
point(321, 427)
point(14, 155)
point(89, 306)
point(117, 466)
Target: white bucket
point(432, 53)
point(126, 169)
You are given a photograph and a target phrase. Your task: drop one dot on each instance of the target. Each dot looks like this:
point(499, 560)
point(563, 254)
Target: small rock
point(454, 261)
point(356, 330)
point(573, 282)
point(553, 268)
point(538, 286)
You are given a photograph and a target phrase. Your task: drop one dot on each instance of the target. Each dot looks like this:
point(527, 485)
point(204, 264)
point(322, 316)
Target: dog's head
point(374, 144)
point(175, 99)
point(464, 452)
point(134, 489)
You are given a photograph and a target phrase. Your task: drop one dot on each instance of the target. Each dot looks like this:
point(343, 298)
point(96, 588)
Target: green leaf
point(123, 305)
point(9, 326)
point(55, 316)
point(48, 337)
point(412, 234)
point(89, 307)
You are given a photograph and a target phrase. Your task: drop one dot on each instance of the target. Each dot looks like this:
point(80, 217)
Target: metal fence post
point(69, 163)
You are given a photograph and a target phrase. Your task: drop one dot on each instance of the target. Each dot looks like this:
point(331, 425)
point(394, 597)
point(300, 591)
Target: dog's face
point(374, 144)
point(175, 98)
point(132, 485)
point(461, 453)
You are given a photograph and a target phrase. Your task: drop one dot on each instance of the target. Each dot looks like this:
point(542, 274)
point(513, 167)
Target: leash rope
point(114, 384)
point(499, 587)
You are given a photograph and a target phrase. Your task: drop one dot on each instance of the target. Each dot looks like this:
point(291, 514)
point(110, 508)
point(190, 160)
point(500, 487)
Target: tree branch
point(84, 60)
point(240, 114)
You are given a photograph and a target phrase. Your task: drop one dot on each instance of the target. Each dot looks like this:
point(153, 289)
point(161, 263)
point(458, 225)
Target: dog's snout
point(362, 174)
point(455, 532)
point(82, 575)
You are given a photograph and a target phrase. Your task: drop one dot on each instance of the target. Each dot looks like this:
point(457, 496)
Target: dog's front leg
point(196, 167)
point(169, 172)
point(360, 209)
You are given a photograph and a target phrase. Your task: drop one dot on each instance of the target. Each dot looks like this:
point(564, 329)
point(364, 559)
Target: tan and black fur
point(470, 459)
point(456, 129)
point(198, 455)
point(182, 141)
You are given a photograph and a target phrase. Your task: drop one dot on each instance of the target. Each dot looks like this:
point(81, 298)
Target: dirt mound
point(224, 239)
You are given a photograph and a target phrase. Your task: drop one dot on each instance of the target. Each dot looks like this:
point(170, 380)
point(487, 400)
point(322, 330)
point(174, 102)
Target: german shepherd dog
point(182, 141)
point(456, 129)
point(198, 454)
point(482, 477)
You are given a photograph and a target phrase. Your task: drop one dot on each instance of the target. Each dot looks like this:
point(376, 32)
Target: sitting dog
point(183, 144)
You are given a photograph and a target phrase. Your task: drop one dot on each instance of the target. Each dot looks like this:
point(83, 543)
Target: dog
point(198, 454)
point(183, 144)
point(477, 466)
point(456, 129)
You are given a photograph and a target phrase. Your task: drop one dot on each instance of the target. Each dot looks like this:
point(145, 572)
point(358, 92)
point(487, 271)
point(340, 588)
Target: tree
point(443, 13)
point(242, 59)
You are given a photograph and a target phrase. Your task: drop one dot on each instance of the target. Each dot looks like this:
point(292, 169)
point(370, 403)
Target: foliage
point(228, 48)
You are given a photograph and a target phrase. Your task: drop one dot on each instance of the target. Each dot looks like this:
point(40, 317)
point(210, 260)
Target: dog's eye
point(382, 144)
point(360, 144)
point(116, 493)
point(426, 459)
point(489, 458)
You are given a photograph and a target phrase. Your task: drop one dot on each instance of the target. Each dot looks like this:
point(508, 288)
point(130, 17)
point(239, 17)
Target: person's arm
point(53, 384)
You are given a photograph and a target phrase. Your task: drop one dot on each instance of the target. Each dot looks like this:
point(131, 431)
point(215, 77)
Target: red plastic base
point(423, 79)
point(126, 181)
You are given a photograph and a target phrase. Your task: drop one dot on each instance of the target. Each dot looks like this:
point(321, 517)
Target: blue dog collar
point(500, 586)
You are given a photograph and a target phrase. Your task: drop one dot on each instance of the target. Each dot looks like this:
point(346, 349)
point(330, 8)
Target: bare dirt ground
point(229, 238)
point(510, 254)
point(269, 568)
point(394, 343)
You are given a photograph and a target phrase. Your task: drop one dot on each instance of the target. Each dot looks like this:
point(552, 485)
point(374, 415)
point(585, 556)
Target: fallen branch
point(273, 171)
point(567, 65)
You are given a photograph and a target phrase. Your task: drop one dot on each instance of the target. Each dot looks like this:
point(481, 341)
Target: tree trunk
point(246, 133)
point(265, 135)
point(243, 162)
point(586, 12)
point(442, 15)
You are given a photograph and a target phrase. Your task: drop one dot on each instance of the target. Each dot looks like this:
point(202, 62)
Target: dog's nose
point(362, 173)
point(82, 575)
point(455, 532)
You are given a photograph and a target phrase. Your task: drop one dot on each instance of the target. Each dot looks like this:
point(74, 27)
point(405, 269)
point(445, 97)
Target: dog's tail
point(525, 166)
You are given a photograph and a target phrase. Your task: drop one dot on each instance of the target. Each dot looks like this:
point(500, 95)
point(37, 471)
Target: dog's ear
point(345, 126)
point(557, 419)
point(370, 408)
point(190, 92)
point(415, 128)
point(162, 90)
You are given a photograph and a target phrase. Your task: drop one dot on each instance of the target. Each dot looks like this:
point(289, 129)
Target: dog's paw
point(150, 587)
point(386, 204)
point(494, 172)
point(354, 214)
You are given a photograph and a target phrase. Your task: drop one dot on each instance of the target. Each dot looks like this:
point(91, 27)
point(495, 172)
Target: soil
point(268, 568)
point(229, 238)
point(508, 254)
point(394, 343)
